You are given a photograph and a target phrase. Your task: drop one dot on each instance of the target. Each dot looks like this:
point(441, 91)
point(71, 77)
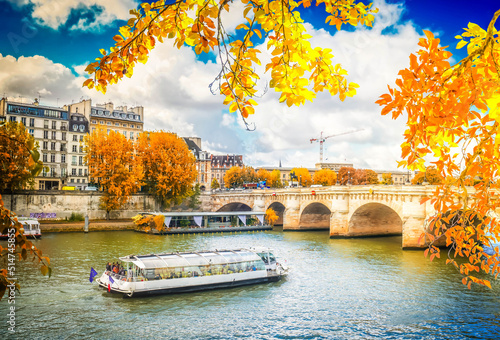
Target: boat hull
point(192, 288)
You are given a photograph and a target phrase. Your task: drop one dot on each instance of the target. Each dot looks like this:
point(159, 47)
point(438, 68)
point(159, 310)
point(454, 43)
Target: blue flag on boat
point(93, 274)
point(111, 280)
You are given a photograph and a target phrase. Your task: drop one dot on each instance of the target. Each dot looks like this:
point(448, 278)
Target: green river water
point(336, 289)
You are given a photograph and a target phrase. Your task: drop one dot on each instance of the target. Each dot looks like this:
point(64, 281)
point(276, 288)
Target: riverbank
point(97, 225)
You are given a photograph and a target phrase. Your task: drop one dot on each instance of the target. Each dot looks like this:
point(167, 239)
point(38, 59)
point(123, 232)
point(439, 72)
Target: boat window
point(231, 257)
point(195, 259)
point(214, 258)
point(174, 260)
point(272, 258)
point(248, 256)
point(152, 262)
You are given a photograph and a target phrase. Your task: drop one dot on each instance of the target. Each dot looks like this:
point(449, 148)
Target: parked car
point(90, 189)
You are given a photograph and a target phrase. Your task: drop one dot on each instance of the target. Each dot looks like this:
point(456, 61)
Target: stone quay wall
point(59, 205)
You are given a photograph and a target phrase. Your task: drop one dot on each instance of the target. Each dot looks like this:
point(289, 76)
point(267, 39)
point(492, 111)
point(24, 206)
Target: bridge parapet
point(344, 202)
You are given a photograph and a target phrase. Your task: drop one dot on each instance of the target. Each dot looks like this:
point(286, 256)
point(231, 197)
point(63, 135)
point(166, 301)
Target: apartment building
point(49, 126)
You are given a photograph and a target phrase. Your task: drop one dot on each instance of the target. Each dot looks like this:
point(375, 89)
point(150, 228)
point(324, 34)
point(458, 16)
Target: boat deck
point(211, 230)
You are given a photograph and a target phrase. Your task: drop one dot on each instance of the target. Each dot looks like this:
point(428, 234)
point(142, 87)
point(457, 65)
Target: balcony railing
point(64, 128)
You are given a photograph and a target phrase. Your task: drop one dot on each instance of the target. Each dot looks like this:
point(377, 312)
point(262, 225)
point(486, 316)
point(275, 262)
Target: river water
point(336, 289)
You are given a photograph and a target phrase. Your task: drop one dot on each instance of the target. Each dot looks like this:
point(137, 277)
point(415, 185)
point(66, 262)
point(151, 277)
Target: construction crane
point(322, 139)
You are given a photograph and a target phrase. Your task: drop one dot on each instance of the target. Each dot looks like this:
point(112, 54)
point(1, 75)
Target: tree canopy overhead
point(298, 70)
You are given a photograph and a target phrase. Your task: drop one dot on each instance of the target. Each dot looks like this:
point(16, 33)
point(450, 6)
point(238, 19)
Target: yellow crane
point(322, 139)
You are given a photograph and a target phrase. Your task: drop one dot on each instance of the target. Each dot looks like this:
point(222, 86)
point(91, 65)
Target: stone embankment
point(97, 225)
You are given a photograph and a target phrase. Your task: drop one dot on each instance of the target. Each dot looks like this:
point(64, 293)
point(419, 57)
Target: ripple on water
point(336, 289)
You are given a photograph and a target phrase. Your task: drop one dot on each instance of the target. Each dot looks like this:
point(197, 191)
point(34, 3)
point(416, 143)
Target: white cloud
point(173, 88)
point(89, 14)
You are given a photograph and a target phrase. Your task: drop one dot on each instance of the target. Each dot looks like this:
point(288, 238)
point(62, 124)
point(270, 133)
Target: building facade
point(77, 167)
point(333, 166)
point(202, 162)
point(49, 127)
point(219, 164)
point(60, 134)
point(129, 122)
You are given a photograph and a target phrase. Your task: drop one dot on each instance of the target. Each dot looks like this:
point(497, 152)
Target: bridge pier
point(339, 224)
point(413, 227)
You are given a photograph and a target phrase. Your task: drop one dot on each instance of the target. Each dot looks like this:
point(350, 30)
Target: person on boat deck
point(108, 266)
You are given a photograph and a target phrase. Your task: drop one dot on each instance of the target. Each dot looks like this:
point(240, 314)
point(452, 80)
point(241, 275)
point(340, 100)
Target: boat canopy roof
point(203, 258)
point(205, 213)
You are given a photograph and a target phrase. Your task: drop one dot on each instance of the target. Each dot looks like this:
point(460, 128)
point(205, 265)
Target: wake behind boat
point(188, 272)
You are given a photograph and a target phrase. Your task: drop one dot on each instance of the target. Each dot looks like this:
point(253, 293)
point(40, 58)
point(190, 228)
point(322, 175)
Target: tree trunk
point(107, 215)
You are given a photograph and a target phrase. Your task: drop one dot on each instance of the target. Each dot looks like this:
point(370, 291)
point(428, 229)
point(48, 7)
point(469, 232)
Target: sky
point(45, 46)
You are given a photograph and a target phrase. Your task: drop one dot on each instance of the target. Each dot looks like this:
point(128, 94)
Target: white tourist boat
point(187, 272)
point(31, 228)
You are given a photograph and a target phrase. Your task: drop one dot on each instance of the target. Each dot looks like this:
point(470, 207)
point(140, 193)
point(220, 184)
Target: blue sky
point(44, 45)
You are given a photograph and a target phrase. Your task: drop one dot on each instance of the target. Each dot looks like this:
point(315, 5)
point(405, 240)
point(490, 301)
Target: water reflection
point(337, 289)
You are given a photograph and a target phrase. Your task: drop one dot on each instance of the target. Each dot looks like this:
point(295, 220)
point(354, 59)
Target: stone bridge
point(346, 211)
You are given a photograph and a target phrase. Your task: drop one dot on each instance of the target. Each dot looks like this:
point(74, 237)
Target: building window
point(63, 127)
point(117, 124)
point(53, 135)
point(85, 172)
point(12, 119)
point(131, 134)
point(132, 126)
point(101, 122)
point(77, 180)
point(63, 135)
point(80, 160)
point(44, 157)
point(32, 132)
point(75, 138)
point(45, 124)
point(72, 180)
point(63, 172)
point(32, 122)
point(52, 157)
point(54, 125)
point(124, 125)
point(73, 160)
point(93, 121)
point(45, 145)
point(83, 180)
point(74, 148)
point(81, 138)
point(73, 172)
point(109, 123)
point(63, 158)
point(81, 149)
point(80, 172)
point(52, 145)
point(23, 120)
point(63, 147)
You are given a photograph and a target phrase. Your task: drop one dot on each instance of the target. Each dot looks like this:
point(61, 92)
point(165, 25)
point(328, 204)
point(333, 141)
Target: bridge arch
point(375, 219)
point(235, 206)
point(279, 209)
point(315, 216)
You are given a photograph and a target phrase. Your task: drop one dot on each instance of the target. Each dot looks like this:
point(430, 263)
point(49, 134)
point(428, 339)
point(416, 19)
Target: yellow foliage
point(453, 116)
point(113, 166)
point(271, 216)
point(298, 70)
point(169, 166)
